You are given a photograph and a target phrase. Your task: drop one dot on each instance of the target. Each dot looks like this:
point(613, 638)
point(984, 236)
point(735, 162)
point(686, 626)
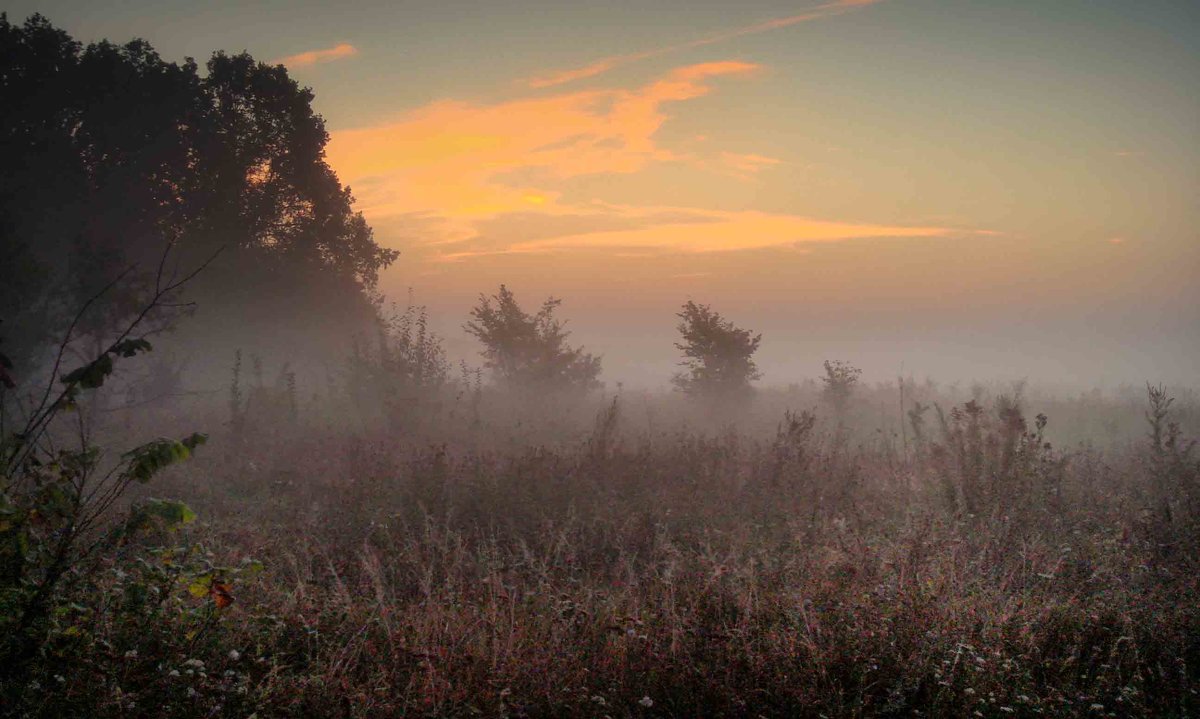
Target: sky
point(966, 189)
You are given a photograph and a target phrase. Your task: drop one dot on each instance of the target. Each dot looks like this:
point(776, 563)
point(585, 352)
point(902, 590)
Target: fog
point(535, 404)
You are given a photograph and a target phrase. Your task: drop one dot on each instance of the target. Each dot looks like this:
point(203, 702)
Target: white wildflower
point(646, 702)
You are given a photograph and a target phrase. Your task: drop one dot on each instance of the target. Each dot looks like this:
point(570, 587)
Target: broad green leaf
point(201, 586)
point(172, 512)
point(130, 348)
point(92, 374)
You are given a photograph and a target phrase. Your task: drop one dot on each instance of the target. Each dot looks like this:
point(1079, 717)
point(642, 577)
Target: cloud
point(705, 231)
point(465, 160)
point(603, 65)
point(745, 165)
point(459, 180)
point(313, 57)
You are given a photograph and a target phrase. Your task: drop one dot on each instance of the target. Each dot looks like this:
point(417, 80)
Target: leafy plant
point(718, 355)
point(839, 380)
point(55, 502)
point(530, 351)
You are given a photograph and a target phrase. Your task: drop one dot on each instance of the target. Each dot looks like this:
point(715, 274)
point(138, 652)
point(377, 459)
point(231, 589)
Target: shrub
point(718, 355)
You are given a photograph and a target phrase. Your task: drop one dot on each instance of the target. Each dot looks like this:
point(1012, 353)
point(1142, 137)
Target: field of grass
point(637, 563)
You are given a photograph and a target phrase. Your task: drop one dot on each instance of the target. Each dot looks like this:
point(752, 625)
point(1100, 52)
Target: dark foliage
point(719, 357)
point(530, 351)
point(112, 153)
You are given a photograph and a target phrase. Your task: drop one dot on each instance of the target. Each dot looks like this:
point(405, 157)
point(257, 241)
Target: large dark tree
point(530, 351)
point(111, 153)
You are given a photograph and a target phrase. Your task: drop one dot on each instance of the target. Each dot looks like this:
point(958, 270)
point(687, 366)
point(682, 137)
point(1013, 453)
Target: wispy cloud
point(603, 65)
point(745, 165)
point(472, 180)
point(313, 57)
point(464, 160)
point(723, 231)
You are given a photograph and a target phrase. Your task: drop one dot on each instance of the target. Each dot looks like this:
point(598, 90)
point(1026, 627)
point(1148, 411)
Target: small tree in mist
point(840, 378)
point(412, 352)
point(412, 370)
point(718, 356)
point(530, 350)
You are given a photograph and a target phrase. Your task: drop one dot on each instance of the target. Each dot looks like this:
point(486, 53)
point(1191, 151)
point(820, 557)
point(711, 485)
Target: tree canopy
point(526, 351)
point(718, 356)
point(112, 153)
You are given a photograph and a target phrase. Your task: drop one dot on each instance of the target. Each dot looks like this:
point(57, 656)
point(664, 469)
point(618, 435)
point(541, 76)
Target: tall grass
point(643, 563)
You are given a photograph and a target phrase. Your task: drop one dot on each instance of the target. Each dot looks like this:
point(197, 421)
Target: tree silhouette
point(112, 153)
point(839, 380)
point(718, 356)
point(530, 351)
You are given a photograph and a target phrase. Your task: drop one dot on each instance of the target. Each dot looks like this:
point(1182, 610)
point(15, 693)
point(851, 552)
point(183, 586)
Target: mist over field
point(831, 359)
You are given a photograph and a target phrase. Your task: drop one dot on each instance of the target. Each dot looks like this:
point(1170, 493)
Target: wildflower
point(191, 692)
point(1097, 707)
point(1022, 698)
point(598, 699)
point(646, 702)
point(131, 654)
point(60, 679)
point(969, 692)
point(196, 663)
point(1006, 710)
point(234, 655)
point(173, 673)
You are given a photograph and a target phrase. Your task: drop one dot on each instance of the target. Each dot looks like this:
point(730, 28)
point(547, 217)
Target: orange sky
point(1017, 179)
point(966, 188)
